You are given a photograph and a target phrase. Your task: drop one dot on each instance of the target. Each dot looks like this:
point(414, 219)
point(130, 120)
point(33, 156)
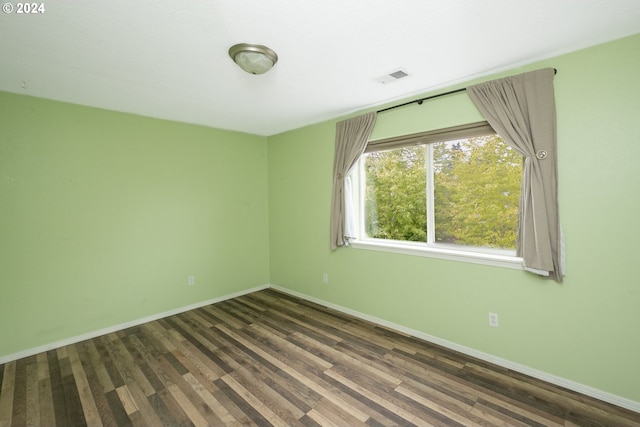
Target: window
point(454, 191)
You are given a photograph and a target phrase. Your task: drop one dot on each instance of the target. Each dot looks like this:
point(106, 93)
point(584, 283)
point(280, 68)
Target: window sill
point(419, 249)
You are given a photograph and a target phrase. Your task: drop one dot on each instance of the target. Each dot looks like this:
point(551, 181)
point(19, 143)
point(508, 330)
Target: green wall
point(105, 215)
point(584, 330)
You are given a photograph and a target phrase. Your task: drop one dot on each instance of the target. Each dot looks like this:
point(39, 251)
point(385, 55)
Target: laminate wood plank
point(246, 301)
point(421, 374)
point(104, 358)
point(32, 395)
point(240, 312)
point(257, 382)
point(196, 409)
point(159, 334)
point(174, 362)
point(387, 403)
point(163, 412)
point(298, 389)
point(320, 420)
point(205, 344)
point(522, 394)
point(308, 422)
point(127, 366)
point(245, 342)
point(537, 390)
point(284, 325)
point(328, 412)
point(224, 317)
point(284, 348)
point(512, 414)
point(242, 410)
point(499, 417)
point(462, 415)
point(223, 395)
point(346, 359)
point(518, 399)
point(95, 382)
point(139, 353)
point(461, 389)
point(117, 409)
point(450, 401)
point(45, 401)
point(510, 405)
point(379, 413)
point(187, 358)
point(203, 369)
point(137, 420)
point(280, 327)
point(57, 391)
point(254, 351)
point(312, 312)
point(89, 352)
point(441, 399)
point(290, 394)
point(206, 391)
point(126, 399)
point(282, 305)
point(188, 408)
point(204, 312)
point(186, 327)
point(197, 318)
point(62, 352)
point(438, 386)
point(269, 358)
point(7, 393)
point(19, 411)
point(145, 411)
point(373, 336)
point(322, 323)
point(75, 412)
point(163, 370)
point(356, 352)
point(87, 400)
point(329, 393)
point(364, 342)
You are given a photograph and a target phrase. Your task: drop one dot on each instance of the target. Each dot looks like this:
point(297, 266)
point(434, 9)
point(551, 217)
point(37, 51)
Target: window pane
point(395, 198)
point(477, 192)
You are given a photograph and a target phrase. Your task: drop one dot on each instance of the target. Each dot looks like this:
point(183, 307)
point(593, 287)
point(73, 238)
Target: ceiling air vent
point(393, 76)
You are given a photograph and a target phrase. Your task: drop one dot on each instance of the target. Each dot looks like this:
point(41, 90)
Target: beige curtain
point(351, 139)
point(522, 110)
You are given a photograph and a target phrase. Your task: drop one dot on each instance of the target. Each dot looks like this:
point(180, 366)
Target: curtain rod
point(421, 100)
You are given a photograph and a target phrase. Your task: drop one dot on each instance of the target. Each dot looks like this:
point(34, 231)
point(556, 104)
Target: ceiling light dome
point(253, 58)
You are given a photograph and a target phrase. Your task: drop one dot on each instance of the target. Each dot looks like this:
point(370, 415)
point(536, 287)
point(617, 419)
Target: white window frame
point(431, 249)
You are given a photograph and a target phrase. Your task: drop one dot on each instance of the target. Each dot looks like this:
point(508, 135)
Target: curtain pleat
point(522, 110)
point(351, 140)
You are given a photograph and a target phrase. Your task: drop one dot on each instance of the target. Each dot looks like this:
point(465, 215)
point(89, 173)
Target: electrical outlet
point(325, 278)
point(493, 319)
point(191, 280)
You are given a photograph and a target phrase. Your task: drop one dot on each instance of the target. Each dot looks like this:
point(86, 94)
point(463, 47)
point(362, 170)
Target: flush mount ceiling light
point(253, 58)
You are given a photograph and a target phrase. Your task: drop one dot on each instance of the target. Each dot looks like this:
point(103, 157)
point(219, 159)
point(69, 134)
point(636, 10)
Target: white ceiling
point(168, 59)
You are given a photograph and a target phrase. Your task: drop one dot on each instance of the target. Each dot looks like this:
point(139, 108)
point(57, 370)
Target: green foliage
point(396, 206)
point(476, 193)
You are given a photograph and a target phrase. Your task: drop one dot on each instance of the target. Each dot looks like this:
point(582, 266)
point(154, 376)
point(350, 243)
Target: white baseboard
point(535, 373)
point(121, 326)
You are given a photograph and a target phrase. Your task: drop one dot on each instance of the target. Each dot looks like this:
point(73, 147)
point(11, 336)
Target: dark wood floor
point(271, 359)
